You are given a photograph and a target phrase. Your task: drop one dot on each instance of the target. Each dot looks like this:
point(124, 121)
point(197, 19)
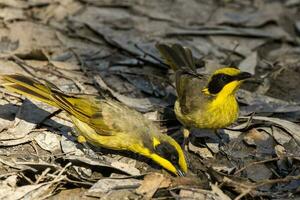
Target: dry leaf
point(151, 183)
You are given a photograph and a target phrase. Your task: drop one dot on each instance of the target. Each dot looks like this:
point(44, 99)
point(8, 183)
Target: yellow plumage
point(203, 101)
point(105, 122)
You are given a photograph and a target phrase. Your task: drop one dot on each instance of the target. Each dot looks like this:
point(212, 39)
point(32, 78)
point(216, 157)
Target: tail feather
point(184, 54)
point(177, 56)
point(80, 106)
point(28, 87)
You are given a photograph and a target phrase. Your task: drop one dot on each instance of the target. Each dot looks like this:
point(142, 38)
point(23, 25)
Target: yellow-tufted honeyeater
point(105, 122)
point(203, 101)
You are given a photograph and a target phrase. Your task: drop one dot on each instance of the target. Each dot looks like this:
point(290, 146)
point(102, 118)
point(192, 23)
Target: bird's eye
point(168, 152)
point(218, 81)
point(173, 159)
point(225, 78)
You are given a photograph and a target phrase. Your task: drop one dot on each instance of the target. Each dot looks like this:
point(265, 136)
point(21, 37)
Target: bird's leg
point(90, 152)
point(82, 140)
point(186, 134)
point(218, 133)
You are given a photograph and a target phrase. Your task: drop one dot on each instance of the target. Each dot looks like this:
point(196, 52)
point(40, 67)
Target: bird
point(105, 122)
point(203, 101)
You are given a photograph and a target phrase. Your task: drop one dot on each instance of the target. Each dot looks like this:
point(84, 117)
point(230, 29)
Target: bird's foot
point(186, 140)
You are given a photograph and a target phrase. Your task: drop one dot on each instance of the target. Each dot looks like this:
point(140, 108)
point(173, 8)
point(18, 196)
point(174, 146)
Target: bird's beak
point(180, 173)
point(243, 75)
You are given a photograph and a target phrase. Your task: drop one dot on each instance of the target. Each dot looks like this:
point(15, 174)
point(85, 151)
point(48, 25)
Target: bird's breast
point(213, 115)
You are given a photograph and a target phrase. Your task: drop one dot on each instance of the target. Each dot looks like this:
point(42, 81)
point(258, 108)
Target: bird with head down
point(105, 122)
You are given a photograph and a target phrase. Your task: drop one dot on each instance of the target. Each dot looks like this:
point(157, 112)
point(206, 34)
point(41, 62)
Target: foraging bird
point(105, 122)
point(205, 102)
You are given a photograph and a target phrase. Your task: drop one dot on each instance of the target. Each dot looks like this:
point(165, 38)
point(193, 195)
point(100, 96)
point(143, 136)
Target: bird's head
point(225, 81)
point(166, 152)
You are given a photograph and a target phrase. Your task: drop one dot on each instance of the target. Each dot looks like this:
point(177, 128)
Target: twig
point(225, 30)
point(23, 65)
point(150, 55)
point(35, 148)
point(129, 52)
point(12, 165)
point(247, 124)
point(78, 182)
point(9, 174)
point(280, 180)
point(256, 163)
point(162, 80)
point(62, 171)
point(48, 117)
point(26, 178)
point(120, 4)
point(245, 188)
point(43, 175)
point(228, 58)
point(247, 191)
point(81, 62)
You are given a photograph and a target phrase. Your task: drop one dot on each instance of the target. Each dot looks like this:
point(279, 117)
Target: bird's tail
point(176, 56)
point(81, 107)
point(28, 87)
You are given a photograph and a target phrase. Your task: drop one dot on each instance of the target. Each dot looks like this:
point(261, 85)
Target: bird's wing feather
point(189, 91)
point(115, 117)
point(87, 109)
point(189, 84)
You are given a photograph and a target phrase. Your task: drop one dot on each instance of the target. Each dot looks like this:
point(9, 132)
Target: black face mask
point(218, 81)
point(168, 152)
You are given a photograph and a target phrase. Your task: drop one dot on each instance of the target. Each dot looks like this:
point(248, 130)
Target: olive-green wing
point(189, 84)
point(189, 90)
point(119, 117)
point(105, 116)
point(86, 108)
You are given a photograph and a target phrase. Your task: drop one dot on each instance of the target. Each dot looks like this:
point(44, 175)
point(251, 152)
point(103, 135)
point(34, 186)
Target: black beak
point(180, 173)
point(243, 76)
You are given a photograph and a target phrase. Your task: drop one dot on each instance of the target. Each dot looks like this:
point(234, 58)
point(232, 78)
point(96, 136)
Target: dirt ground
point(107, 47)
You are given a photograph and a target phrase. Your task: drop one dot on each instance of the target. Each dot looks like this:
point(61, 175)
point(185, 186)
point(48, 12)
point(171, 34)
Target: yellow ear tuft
point(205, 91)
point(155, 141)
point(81, 139)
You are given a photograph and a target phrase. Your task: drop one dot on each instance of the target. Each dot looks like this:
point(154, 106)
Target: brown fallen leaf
point(106, 185)
point(198, 194)
point(186, 181)
point(130, 169)
point(48, 141)
point(253, 136)
point(152, 183)
point(36, 191)
point(201, 151)
point(141, 104)
point(26, 120)
point(10, 14)
point(216, 190)
point(249, 63)
point(290, 127)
